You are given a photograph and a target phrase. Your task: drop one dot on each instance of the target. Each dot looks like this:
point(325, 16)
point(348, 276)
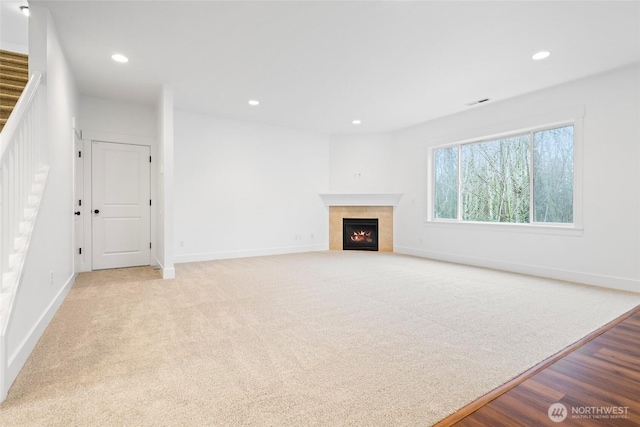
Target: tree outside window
point(519, 179)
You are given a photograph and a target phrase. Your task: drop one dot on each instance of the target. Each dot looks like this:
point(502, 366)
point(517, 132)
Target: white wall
point(117, 117)
point(361, 164)
point(51, 247)
point(606, 252)
point(244, 189)
point(165, 196)
point(14, 27)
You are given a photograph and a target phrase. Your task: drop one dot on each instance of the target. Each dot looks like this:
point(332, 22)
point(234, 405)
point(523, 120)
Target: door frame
point(88, 138)
point(78, 178)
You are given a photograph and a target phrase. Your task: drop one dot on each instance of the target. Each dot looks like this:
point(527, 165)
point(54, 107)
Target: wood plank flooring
point(598, 383)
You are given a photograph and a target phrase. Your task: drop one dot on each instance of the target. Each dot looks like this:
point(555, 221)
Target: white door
point(78, 225)
point(121, 205)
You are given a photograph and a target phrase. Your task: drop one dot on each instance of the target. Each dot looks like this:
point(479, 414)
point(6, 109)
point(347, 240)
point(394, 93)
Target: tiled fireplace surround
point(361, 206)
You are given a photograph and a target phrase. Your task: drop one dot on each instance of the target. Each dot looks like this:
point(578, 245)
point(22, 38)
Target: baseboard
point(167, 273)
point(618, 283)
point(249, 253)
point(4, 387)
point(19, 357)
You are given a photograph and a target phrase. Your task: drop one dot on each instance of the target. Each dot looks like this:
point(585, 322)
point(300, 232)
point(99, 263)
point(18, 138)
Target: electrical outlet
point(311, 236)
point(182, 243)
point(51, 278)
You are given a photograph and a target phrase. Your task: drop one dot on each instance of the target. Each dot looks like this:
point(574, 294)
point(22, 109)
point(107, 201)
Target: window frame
point(574, 228)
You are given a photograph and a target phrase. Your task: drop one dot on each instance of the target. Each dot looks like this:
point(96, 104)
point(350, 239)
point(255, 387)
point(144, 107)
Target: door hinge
point(149, 202)
point(79, 202)
point(149, 245)
point(80, 251)
point(79, 153)
point(149, 159)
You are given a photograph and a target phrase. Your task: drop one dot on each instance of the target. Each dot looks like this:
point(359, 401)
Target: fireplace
point(360, 234)
point(361, 205)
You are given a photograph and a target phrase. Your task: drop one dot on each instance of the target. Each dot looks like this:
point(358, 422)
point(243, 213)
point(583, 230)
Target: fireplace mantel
point(361, 199)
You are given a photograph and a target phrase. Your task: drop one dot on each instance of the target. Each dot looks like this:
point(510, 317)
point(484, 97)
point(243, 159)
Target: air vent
point(478, 102)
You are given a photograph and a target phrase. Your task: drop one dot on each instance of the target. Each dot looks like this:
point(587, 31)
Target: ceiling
point(14, 30)
point(319, 65)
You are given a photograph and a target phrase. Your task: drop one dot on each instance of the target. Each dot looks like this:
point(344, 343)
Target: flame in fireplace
point(361, 236)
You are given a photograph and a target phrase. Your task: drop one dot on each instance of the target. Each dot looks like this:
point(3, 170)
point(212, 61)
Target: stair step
point(10, 89)
point(14, 260)
point(14, 61)
point(6, 295)
point(8, 282)
point(14, 68)
point(40, 177)
point(8, 99)
point(5, 110)
point(10, 70)
point(29, 213)
point(15, 55)
point(19, 243)
point(14, 80)
point(5, 300)
point(32, 198)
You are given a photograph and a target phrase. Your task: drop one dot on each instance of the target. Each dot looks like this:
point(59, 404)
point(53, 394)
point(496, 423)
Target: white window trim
point(574, 117)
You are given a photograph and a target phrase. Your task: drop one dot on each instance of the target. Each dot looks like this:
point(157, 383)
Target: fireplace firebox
point(360, 234)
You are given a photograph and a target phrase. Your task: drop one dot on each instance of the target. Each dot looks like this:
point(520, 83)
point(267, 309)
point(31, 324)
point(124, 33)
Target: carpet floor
point(322, 338)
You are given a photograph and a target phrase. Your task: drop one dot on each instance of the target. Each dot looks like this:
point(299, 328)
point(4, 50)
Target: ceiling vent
point(478, 102)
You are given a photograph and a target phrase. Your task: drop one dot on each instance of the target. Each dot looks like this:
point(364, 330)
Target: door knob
point(96, 211)
point(77, 213)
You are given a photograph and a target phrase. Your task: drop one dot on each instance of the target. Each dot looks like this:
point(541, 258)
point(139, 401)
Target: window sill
point(558, 230)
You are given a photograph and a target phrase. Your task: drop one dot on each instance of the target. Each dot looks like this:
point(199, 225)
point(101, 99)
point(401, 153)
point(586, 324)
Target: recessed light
point(119, 58)
point(356, 122)
point(25, 10)
point(254, 102)
point(540, 55)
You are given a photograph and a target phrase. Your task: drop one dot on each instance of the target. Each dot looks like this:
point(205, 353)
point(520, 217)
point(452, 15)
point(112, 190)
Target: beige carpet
point(325, 338)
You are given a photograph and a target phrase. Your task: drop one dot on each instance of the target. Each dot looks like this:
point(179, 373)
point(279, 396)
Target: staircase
point(23, 177)
point(23, 172)
point(14, 73)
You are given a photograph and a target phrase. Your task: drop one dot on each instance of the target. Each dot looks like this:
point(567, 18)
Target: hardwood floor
point(597, 381)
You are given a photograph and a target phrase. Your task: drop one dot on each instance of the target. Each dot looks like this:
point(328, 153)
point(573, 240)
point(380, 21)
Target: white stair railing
point(22, 175)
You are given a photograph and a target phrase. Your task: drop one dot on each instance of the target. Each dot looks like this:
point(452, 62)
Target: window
point(522, 178)
point(446, 179)
point(553, 175)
